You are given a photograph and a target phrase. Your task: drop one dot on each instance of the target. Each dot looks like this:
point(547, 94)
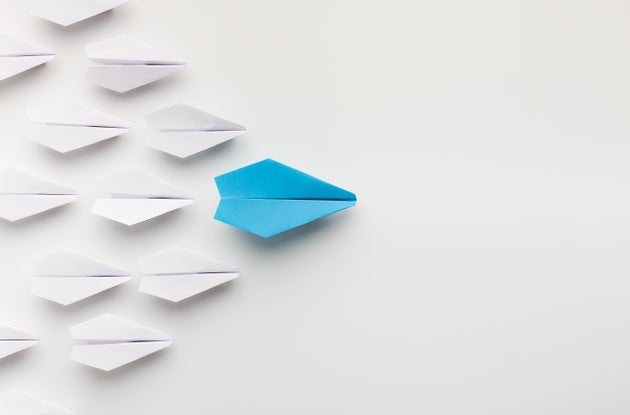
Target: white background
point(484, 270)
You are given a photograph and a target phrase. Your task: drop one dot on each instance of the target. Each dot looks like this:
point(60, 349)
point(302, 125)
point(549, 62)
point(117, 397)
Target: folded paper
point(66, 277)
point(175, 274)
point(110, 342)
point(137, 197)
point(65, 125)
point(18, 56)
point(16, 402)
point(14, 340)
point(23, 195)
point(123, 64)
point(68, 12)
point(267, 198)
point(182, 130)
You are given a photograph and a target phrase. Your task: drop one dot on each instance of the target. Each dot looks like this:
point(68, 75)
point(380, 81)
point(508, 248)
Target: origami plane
point(15, 402)
point(13, 341)
point(137, 197)
point(183, 130)
point(68, 12)
point(111, 342)
point(67, 277)
point(268, 198)
point(175, 274)
point(124, 64)
point(66, 125)
point(23, 195)
point(17, 56)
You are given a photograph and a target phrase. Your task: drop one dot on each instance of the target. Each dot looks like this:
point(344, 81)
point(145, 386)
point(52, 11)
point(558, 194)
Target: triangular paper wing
point(131, 183)
point(69, 290)
point(178, 260)
point(10, 47)
point(70, 264)
point(110, 328)
point(269, 179)
point(176, 288)
point(182, 117)
point(70, 113)
point(125, 50)
point(111, 356)
point(266, 218)
point(67, 12)
point(16, 182)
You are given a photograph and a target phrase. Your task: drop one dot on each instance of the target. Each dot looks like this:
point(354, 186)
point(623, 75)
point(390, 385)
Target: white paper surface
point(176, 274)
point(183, 130)
point(17, 56)
point(13, 340)
point(111, 342)
point(67, 277)
point(23, 195)
point(16, 402)
point(137, 197)
point(65, 125)
point(68, 12)
point(124, 64)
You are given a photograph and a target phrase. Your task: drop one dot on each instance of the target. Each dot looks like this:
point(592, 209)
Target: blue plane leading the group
point(268, 198)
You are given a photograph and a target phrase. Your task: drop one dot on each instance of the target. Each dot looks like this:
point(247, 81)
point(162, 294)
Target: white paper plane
point(137, 197)
point(183, 130)
point(17, 56)
point(68, 12)
point(14, 340)
point(16, 402)
point(124, 64)
point(111, 342)
point(23, 195)
point(175, 274)
point(65, 125)
point(67, 277)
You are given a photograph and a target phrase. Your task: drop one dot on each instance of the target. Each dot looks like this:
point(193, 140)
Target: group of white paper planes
point(173, 274)
point(106, 342)
point(181, 130)
point(121, 63)
point(135, 196)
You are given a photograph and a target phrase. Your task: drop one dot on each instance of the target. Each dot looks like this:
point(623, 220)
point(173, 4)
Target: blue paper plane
point(268, 198)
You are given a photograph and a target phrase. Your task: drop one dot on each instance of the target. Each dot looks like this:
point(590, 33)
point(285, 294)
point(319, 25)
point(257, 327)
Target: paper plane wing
point(68, 12)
